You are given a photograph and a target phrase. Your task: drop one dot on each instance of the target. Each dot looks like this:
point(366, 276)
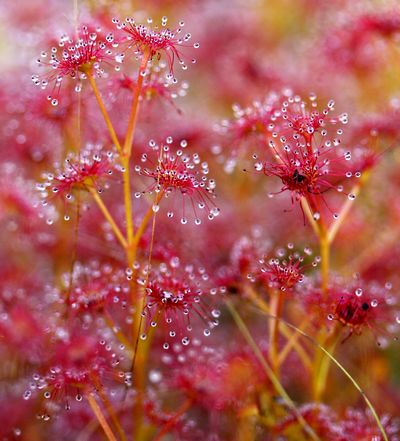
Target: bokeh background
point(343, 50)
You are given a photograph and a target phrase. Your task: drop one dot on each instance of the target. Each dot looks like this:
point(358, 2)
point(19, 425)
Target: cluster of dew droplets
point(179, 172)
point(73, 173)
point(186, 296)
point(284, 257)
point(87, 49)
point(157, 39)
point(96, 283)
point(60, 383)
point(293, 143)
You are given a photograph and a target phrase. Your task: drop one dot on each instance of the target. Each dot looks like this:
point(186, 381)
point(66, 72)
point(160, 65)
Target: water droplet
point(374, 303)
point(155, 376)
point(358, 292)
point(155, 208)
point(216, 313)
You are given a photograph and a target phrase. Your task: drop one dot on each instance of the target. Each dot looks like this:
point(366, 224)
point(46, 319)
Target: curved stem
point(258, 302)
point(346, 373)
point(268, 370)
point(104, 112)
point(107, 215)
point(135, 105)
point(146, 219)
point(321, 371)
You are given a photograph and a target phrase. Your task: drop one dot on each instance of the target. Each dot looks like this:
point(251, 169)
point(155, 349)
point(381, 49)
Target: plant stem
point(259, 303)
point(291, 344)
point(128, 209)
point(268, 370)
point(172, 421)
point(346, 373)
point(101, 418)
point(135, 105)
point(321, 370)
point(344, 211)
point(276, 305)
point(140, 378)
point(147, 217)
point(104, 112)
point(111, 412)
point(118, 333)
point(324, 245)
point(107, 215)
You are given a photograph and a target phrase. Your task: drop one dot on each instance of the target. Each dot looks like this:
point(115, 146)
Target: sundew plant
point(200, 220)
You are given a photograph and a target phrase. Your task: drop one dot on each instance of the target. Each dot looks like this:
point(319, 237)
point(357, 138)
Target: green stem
point(268, 370)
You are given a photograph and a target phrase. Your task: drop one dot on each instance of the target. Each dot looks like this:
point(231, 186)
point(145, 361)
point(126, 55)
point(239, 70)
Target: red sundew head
point(356, 306)
point(360, 425)
point(97, 287)
point(80, 172)
point(249, 125)
point(78, 57)
point(246, 250)
point(283, 272)
point(177, 294)
point(78, 365)
point(308, 162)
point(215, 378)
point(182, 174)
point(156, 41)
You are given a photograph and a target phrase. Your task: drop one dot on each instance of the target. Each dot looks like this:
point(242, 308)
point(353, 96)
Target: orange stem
point(171, 422)
point(101, 418)
point(103, 111)
point(135, 105)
